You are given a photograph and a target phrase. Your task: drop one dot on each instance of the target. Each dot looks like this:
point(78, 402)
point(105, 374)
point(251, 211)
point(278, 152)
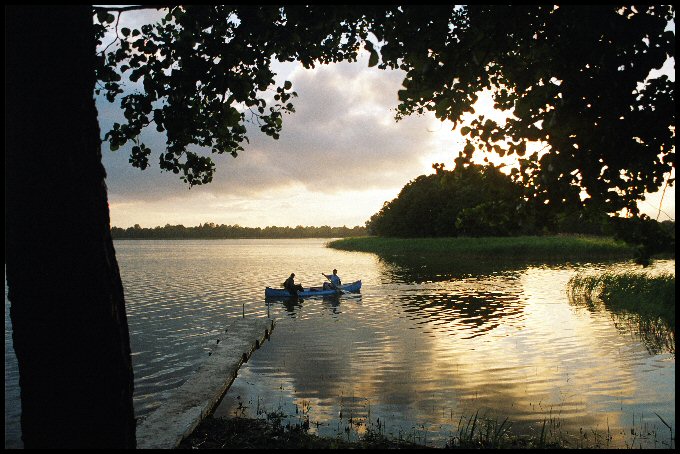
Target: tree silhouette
point(574, 77)
point(70, 331)
point(470, 200)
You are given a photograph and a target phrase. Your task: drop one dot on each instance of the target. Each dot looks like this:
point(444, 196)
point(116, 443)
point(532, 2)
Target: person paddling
point(334, 279)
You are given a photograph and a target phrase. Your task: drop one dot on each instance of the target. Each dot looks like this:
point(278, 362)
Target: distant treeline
point(215, 231)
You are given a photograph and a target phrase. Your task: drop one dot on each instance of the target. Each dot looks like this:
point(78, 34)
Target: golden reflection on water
point(423, 345)
point(435, 351)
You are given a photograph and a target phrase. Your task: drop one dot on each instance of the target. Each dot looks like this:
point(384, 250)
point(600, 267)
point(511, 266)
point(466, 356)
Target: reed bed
point(641, 291)
point(641, 301)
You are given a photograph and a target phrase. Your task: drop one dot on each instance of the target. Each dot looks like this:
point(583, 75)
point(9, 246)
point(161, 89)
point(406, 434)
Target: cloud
point(343, 133)
point(342, 136)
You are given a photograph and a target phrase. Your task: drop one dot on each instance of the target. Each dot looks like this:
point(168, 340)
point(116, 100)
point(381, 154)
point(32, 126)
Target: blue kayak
point(313, 291)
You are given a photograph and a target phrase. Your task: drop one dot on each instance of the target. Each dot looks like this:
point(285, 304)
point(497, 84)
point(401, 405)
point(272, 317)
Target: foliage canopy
point(205, 70)
point(574, 77)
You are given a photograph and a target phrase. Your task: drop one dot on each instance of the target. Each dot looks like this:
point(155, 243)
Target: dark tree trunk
point(67, 306)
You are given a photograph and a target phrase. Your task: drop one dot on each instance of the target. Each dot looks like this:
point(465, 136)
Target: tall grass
point(642, 301)
point(479, 432)
point(522, 247)
point(645, 293)
point(482, 432)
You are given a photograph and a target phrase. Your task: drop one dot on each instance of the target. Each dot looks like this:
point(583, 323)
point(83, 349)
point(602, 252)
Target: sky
point(339, 157)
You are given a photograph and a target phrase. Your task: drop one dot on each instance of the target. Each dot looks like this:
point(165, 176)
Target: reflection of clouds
point(582, 353)
point(383, 367)
point(406, 356)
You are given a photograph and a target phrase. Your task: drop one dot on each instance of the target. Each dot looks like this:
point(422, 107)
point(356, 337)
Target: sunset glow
point(340, 156)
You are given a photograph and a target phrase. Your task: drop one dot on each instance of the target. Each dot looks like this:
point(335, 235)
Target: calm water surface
point(417, 353)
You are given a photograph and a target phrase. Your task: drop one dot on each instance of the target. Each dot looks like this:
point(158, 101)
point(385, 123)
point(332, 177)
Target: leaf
point(373, 59)
point(233, 117)
point(522, 148)
point(469, 149)
point(105, 17)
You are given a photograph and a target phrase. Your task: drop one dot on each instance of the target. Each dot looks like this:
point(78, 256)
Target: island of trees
point(475, 200)
point(480, 200)
point(211, 230)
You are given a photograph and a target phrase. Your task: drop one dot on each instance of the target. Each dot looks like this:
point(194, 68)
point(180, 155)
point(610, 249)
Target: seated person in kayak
point(291, 286)
point(334, 279)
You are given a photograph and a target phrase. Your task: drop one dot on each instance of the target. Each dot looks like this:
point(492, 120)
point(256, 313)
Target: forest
point(210, 230)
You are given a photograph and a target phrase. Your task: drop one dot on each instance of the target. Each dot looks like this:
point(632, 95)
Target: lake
point(416, 354)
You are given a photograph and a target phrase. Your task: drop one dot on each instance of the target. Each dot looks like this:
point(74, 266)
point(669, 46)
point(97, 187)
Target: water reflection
point(427, 349)
point(294, 305)
point(657, 334)
point(465, 298)
point(651, 323)
point(468, 310)
point(437, 268)
point(332, 302)
point(654, 333)
point(290, 303)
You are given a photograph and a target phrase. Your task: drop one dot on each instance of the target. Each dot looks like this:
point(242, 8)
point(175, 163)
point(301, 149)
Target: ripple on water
point(428, 350)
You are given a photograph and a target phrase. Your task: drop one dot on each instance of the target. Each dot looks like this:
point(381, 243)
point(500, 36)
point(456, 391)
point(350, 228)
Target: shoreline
point(256, 433)
point(518, 247)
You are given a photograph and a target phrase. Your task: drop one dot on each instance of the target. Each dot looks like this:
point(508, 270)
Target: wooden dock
point(189, 404)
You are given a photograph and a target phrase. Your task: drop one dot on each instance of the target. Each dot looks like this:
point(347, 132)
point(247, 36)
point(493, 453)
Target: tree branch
point(116, 39)
point(121, 9)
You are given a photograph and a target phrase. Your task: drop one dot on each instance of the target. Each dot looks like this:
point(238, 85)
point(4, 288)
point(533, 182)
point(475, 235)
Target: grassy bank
point(251, 433)
point(640, 301)
point(255, 433)
point(523, 247)
point(475, 432)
